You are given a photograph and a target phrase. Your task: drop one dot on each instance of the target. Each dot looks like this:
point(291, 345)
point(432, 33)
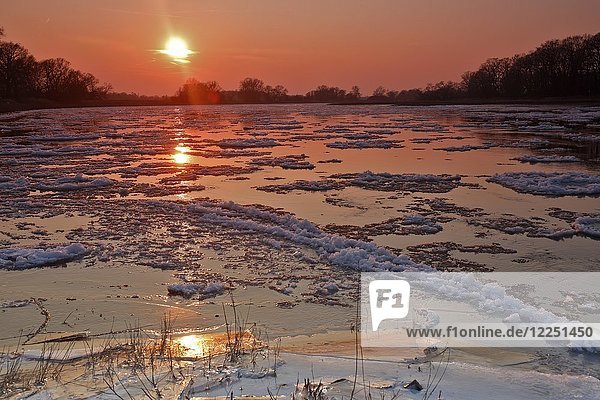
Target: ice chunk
point(547, 159)
point(13, 258)
point(588, 226)
point(246, 143)
point(402, 182)
point(550, 183)
point(77, 182)
point(365, 144)
point(293, 161)
point(204, 290)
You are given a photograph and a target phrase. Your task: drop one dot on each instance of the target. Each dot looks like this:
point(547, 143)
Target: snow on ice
point(550, 183)
point(15, 258)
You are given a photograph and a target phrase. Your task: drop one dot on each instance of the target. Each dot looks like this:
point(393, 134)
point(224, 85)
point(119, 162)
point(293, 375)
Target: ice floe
point(550, 183)
point(468, 147)
point(365, 144)
point(546, 159)
point(293, 161)
point(414, 224)
point(337, 250)
point(308, 186)
point(203, 290)
point(588, 226)
point(401, 182)
point(246, 143)
point(77, 182)
point(16, 258)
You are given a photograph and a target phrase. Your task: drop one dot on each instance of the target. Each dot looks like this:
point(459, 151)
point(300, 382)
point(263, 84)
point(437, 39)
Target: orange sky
point(300, 44)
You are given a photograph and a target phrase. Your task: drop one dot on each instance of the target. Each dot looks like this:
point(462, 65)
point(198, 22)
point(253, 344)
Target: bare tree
point(196, 92)
point(355, 92)
point(379, 92)
point(16, 70)
point(252, 90)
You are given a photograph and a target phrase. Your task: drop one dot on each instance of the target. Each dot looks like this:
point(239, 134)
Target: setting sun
point(177, 49)
point(222, 195)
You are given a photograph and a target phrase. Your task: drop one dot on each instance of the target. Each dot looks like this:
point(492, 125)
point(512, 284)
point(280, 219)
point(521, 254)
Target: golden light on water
point(181, 157)
point(192, 345)
point(177, 49)
point(204, 345)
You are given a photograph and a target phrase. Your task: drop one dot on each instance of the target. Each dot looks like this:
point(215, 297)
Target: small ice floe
point(330, 161)
point(546, 159)
point(11, 185)
point(229, 153)
point(424, 225)
point(533, 143)
point(339, 251)
point(328, 289)
point(16, 303)
point(401, 182)
point(293, 161)
point(468, 147)
point(203, 290)
point(588, 226)
point(513, 225)
point(550, 183)
point(66, 137)
point(77, 182)
point(13, 258)
point(365, 144)
point(246, 143)
point(407, 225)
point(308, 186)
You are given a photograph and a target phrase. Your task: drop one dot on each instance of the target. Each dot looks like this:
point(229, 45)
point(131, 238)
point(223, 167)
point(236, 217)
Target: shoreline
point(11, 107)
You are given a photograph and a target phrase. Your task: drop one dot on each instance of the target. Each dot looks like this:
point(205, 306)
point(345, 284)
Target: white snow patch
point(205, 290)
point(328, 289)
point(365, 144)
point(588, 226)
point(550, 183)
point(13, 258)
point(547, 159)
point(246, 143)
point(76, 182)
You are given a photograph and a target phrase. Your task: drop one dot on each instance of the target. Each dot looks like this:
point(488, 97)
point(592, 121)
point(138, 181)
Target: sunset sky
point(299, 44)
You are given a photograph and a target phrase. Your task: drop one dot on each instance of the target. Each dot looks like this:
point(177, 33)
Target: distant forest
point(22, 77)
point(558, 68)
point(567, 68)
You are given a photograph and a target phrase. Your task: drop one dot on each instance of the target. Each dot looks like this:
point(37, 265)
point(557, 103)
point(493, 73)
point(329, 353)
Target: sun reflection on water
point(192, 345)
point(204, 345)
point(181, 157)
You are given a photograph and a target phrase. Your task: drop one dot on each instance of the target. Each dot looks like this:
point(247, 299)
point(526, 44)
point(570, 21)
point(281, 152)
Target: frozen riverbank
point(117, 214)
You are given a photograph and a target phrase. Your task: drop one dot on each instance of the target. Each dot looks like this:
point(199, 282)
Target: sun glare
point(193, 345)
point(177, 49)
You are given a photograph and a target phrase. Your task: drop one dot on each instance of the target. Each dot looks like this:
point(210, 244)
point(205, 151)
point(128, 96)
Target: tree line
point(557, 68)
point(22, 77)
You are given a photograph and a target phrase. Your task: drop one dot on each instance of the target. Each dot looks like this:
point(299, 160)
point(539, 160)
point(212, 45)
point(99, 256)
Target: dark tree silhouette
point(195, 92)
point(21, 76)
point(560, 68)
point(277, 94)
point(252, 90)
point(379, 92)
point(325, 93)
point(17, 68)
point(354, 93)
